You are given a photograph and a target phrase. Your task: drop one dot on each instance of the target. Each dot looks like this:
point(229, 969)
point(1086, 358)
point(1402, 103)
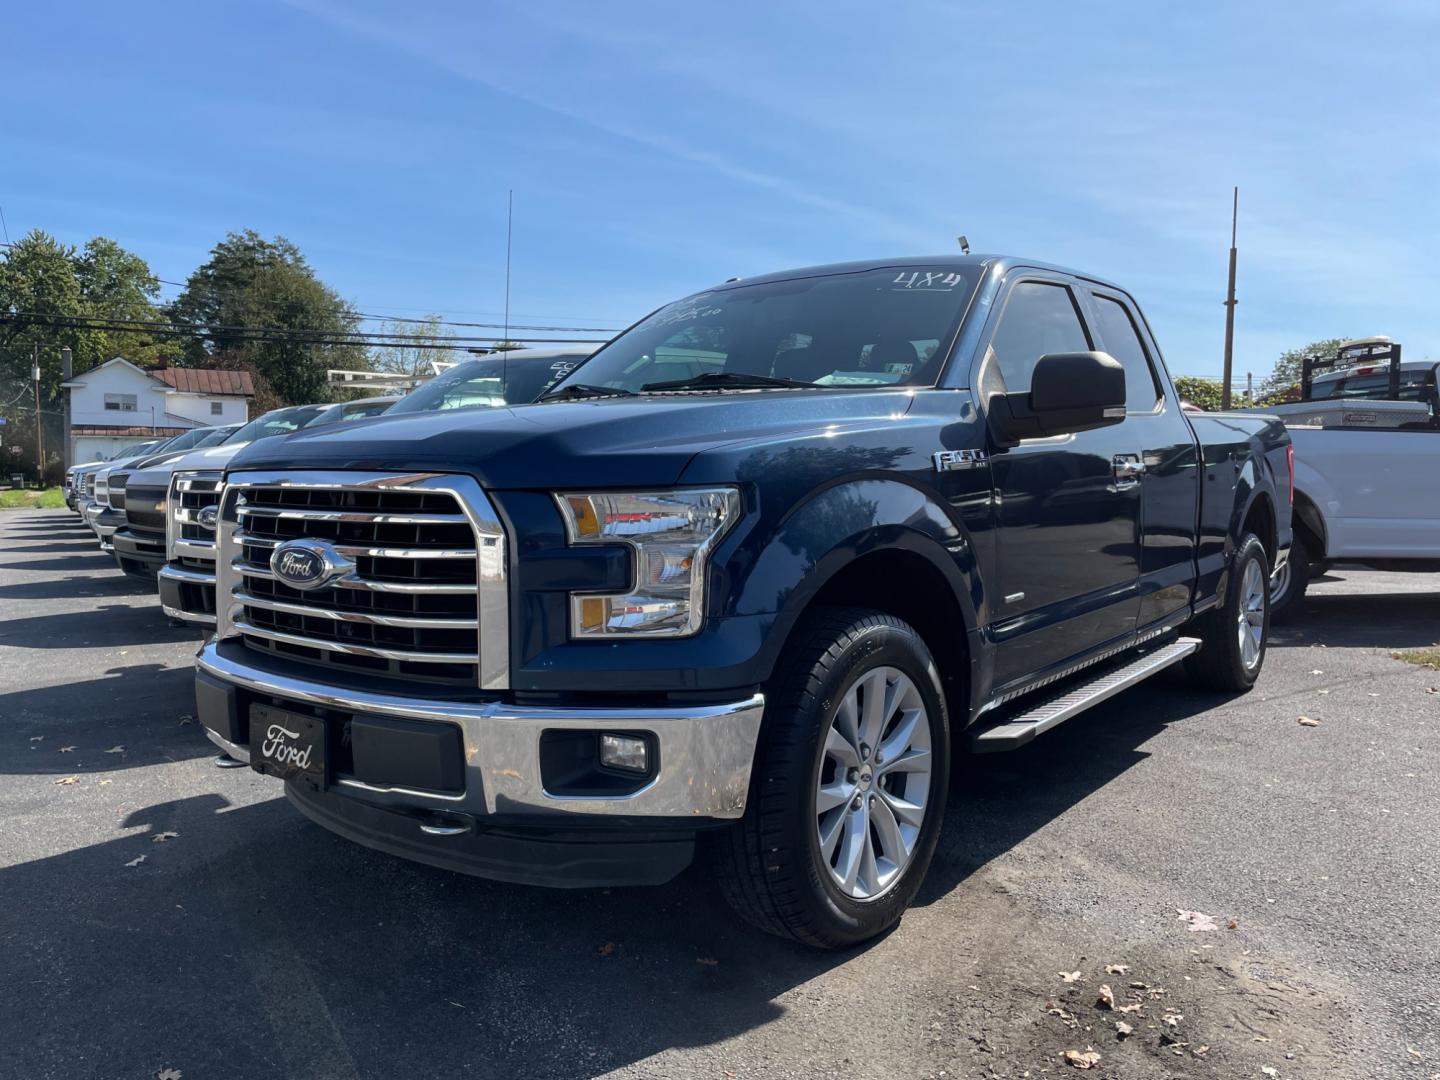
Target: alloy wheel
point(873, 783)
point(1254, 596)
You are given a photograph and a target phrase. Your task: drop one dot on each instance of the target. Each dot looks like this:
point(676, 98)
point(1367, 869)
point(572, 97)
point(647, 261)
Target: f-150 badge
point(952, 460)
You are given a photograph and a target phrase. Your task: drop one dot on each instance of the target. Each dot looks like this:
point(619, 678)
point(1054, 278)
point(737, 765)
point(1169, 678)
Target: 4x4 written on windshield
point(871, 328)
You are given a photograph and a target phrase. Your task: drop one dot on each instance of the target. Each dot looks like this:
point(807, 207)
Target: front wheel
point(849, 784)
point(1234, 635)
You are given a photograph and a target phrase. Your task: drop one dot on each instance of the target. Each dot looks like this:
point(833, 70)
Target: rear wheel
point(1287, 587)
point(1234, 635)
point(849, 784)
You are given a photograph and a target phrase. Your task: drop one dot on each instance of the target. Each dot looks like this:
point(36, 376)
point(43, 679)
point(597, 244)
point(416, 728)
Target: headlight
point(102, 487)
point(673, 533)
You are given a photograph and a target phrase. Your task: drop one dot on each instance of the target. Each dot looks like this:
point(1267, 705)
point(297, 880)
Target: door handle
point(1127, 469)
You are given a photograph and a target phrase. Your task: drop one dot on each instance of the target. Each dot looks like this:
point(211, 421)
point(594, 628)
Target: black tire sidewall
point(887, 643)
point(1251, 549)
point(1288, 605)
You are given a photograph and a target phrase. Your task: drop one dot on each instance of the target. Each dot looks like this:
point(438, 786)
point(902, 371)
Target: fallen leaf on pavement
point(101, 782)
point(1138, 985)
point(1066, 1018)
point(161, 837)
point(1070, 976)
point(37, 738)
point(68, 780)
point(1106, 1000)
point(1198, 920)
point(66, 749)
point(1131, 1008)
point(1122, 1029)
point(1233, 924)
point(608, 949)
point(186, 720)
point(1172, 1019)
point(1200, 1051)
point(168, 1074)
point(1322, 691)
point(1116, 969)
point(1317, 672)
point(136, 861)
point(1269, 1070)
point(116, 750)
point(1308, 721)
point(1089, 1059)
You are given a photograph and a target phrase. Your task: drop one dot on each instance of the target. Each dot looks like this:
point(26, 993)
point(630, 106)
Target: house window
point(216, 408)
point(119, 402)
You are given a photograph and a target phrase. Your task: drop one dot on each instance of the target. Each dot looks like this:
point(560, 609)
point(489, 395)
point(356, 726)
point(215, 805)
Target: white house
point(119, 404)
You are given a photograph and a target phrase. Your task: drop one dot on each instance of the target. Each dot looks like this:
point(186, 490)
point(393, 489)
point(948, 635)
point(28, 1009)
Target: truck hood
point(157, 474)
point(608, 442)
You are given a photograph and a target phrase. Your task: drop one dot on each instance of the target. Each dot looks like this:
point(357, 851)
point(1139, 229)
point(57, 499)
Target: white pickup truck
point(1367, 479)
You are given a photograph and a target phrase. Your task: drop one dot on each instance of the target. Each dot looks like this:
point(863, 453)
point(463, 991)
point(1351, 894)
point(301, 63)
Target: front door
point(1067, 508)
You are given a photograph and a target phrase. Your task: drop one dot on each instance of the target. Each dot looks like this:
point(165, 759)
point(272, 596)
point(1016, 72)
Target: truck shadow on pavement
point(138, 708)
point(1373, 621)
point(77, 587)
point(106, 626)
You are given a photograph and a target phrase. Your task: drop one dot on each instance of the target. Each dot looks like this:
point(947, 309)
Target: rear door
point(1066, 509)
point(1169, 462)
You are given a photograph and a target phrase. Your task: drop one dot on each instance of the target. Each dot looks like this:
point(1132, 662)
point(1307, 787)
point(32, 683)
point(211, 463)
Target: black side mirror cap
point(1069, 392)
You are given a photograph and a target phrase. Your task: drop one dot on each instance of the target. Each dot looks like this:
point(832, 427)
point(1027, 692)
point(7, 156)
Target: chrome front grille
point(424, 595)
point(189, 494)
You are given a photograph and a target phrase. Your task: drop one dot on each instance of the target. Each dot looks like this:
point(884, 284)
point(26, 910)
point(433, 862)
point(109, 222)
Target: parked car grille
point(144, 508)
point(189, 494)
point(118, 481)
point(411, 606)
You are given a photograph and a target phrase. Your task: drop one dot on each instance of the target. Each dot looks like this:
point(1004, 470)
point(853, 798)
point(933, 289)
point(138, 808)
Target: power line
point(270, 333)
point(368, 316)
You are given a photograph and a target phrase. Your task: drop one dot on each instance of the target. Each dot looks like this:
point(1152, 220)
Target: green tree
point(249, 289)
point(1287, 367)
point(406, 354)
point(1202, 392)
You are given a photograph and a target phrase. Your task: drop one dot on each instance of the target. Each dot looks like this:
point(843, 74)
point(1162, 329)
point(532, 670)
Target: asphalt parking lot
point(158, 913)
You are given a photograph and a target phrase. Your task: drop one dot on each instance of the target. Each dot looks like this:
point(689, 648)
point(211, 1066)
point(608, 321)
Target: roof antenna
point(964, 244)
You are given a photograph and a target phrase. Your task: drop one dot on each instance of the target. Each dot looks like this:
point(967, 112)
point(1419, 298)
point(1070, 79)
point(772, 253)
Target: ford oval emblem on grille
point(206, 517)
point(308, 564)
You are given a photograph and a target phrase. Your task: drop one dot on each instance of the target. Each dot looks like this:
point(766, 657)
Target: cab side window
point(1040, 317)
point(1121, 340)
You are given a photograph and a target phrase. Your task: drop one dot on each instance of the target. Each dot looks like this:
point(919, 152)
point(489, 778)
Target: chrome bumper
point(705, 752)
point(179, 575)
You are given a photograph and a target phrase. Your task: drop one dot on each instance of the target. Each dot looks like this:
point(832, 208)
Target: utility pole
point(39, 420)
point(1230, 306)
point(67, 372)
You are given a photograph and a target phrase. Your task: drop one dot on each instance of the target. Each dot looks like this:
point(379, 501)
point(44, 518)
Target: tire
point(1287, 595)
point(1224, 662)
point(771, 865)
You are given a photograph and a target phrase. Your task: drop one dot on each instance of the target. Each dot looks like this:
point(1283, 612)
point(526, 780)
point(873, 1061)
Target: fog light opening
point(628, 753)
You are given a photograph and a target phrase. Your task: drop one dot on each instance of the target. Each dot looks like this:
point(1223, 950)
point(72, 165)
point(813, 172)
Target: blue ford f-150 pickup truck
point(741, 580)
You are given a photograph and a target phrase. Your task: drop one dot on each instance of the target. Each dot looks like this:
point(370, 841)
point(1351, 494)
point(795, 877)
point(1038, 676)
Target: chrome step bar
point(1022, 728)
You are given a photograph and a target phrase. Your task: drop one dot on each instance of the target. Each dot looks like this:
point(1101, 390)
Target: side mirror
point(1069, 392)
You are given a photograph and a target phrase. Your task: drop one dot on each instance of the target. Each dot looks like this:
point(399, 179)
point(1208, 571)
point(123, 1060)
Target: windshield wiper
point(718, 379)
point(575, 391)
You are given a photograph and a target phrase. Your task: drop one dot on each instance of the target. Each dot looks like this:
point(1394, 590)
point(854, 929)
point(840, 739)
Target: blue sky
point(655, 148)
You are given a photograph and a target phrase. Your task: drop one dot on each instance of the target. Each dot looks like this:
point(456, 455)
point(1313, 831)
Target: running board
point(1043, 717)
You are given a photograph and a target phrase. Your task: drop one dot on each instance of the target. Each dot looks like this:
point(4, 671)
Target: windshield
point(356, 410)
point(279, 422)
point(216, 436)
point(490, 382)
point(189, 440)
point(874, 328)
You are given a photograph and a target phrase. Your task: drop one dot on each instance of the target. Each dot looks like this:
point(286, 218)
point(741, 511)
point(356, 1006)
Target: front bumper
point(103, 521)
point(187, 594)
point(702, 777)
point(141, 554)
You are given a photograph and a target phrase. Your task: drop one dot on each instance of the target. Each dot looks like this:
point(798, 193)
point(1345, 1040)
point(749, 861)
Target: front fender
point(831, 529)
